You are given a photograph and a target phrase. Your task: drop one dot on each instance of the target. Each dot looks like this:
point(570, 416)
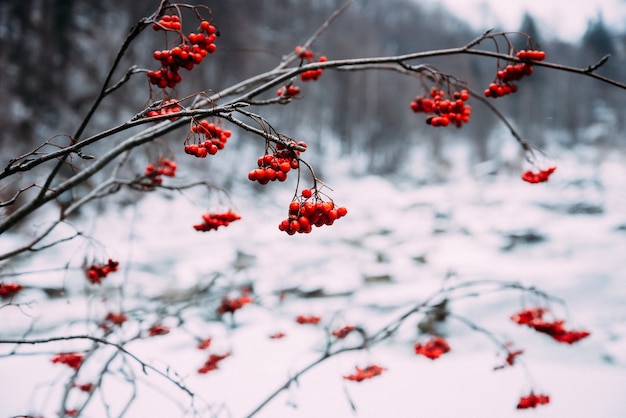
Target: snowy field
point(399, 243)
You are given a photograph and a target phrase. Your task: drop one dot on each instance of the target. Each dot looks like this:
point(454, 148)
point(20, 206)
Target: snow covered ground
point(566, 237)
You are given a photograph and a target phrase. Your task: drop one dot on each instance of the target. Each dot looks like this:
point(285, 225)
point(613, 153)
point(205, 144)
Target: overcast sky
point(566, 19)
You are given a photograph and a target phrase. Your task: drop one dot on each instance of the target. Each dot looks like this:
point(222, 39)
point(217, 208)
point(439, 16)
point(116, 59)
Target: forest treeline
point(55, 54)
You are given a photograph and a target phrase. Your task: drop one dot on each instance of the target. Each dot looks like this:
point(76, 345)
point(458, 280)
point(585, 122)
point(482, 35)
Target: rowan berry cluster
point(366, 373)
point(505, 78)
point(442, 110)
point(308, 319)
point(72, 360)
point(190, 52)
point(538, 177)
point(288, 91)
point(433, 349)
point(208, 138)
point(533, 318)
point(532, 400)
point(275, 166)
point(168, 107)
point(307, 55)
point(309, 211)
point(168, 22)
point(158, 329)
point(510, 358)
point(215, 220)
point(229, 305)
point(96, 272)
point(7, 290)
point(212, 362)
point(164, 167)
point(343, 331)
point(114, 319)
point(84, 387)
point(204, 344)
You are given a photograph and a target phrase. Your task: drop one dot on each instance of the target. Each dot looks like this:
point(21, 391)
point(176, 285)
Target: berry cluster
point(306, 54)
point(366, 373)
point(84, 387)
point(164, 167)
point(96, 272)
point(190, 52)
point(433, 349)
point(7, 290)
point(211, 363)
point(288, 92)
point(505, 78)
point(215, 220)
point(168, 22)
point(510, 358)
point(73, 360)
point(229, 305)
point(443, 111)
point(168, 107)
point(538, 177)
point(343, 331)
point(208, 137)
point(114, 318)
point(308, 211)
point(532, 400)
point(533, 318)
point(310, 319)
point(204, 344)
point(276, 166)
point(158, 329)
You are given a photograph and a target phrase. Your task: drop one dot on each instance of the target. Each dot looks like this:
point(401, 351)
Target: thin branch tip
point(598, 64)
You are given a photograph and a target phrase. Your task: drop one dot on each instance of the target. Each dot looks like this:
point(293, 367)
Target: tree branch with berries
point(95, 167)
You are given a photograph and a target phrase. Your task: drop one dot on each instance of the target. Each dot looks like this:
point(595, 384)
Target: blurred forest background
point(54, 55)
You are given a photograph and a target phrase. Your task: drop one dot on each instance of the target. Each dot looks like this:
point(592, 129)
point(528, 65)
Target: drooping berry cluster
point(190, 52)
point(96, 272)
point(72, 360)
point(164, 167)
point(114, 319)
point(230, 305)
point(511, 355)
point(7, 290)
point(308, 319)
point(158, 329)
point(168, 22)
point(275, 166)
point(208, 138)
point(533, 318)
point(443, 111)
point(506, 77)
point(84, 387)
point(433, 349)
point(538, 177)
point(308, 55)
point(168, 107)
point(288, 91)
point(366, 373)
point(343, 332)
point(204, 344)
point(215, 220)
point(532, 401)
point(308, 211)
point(212, 363)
